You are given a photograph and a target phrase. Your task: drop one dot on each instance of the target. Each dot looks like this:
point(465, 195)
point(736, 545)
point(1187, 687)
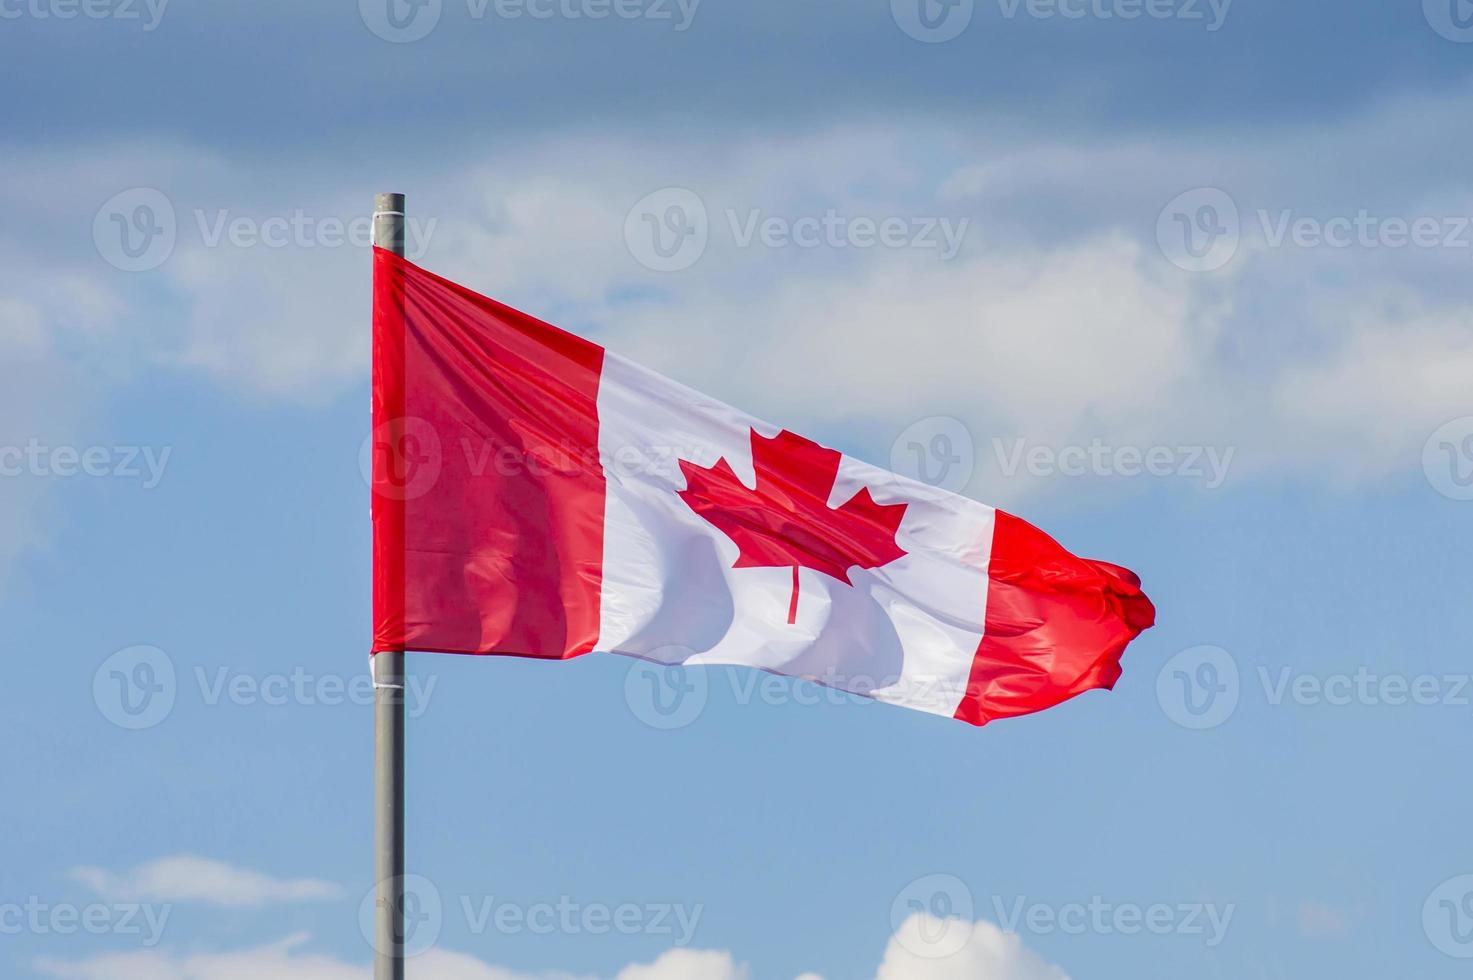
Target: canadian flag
point(535, 495)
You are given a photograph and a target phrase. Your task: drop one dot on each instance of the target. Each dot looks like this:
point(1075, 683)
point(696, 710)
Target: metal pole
point(388, 727)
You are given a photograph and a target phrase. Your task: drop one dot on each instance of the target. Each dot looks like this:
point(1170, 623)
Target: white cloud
point(286, 960)
point(43, 404)
point(280, 961)
point(192, 879)
point(1394, 380)
point(278, 323)
point(1059, 321)
point(990, 953)
point(283, 960)
point(444, 965)
point(687, 964)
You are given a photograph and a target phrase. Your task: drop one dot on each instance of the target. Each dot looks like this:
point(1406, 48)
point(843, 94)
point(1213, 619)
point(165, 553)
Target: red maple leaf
point(786, 520)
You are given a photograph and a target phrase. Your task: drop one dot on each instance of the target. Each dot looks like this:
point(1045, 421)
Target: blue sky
point(1232, 240)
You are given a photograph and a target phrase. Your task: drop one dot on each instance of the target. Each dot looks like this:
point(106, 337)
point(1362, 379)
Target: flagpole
point(388, 725)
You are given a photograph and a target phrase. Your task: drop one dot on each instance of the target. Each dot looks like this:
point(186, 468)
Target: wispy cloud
point(184, 878)
point(280, 961)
